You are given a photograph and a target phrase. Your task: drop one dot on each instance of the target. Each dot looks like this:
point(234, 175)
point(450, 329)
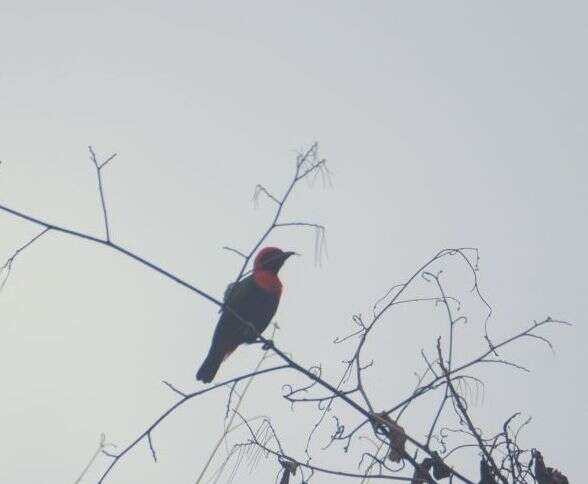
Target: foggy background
point(445, 124)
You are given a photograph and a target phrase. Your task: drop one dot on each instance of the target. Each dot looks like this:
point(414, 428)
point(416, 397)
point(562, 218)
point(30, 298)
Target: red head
point(270, 259)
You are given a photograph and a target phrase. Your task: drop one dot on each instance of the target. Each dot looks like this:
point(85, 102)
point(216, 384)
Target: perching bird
point(255, 299)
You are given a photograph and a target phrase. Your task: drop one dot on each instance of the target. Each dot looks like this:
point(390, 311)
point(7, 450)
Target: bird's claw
point(267, 345)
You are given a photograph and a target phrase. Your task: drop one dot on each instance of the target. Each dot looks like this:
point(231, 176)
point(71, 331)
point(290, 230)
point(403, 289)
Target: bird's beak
point(288, 254)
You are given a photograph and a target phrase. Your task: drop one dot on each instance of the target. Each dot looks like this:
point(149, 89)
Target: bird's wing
point(227, 294)
point(228, 291)
point(236, 292)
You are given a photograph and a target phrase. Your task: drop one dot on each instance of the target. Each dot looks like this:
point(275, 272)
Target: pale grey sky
point(445, 124)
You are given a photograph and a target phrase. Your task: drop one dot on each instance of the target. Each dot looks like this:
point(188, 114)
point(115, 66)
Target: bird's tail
point(209, 367)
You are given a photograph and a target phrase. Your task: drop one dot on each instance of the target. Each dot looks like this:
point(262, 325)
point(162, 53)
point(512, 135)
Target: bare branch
point(458, 401)
point(281, 455)
point(153, 454)
point(350, 390)
point(102, 445)
point(99, 167)
point(174, 389)
point(6, 268)
point(235, 251)
point(169, 411)
point(259, 190)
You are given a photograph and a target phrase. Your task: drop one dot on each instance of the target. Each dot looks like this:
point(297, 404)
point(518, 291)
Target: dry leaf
point(440, 469)
point(289, 469)
point(547, 475)
point(421, 472)
point(396, 436)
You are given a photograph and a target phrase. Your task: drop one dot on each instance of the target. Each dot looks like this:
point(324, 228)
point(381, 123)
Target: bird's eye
point(271, 256)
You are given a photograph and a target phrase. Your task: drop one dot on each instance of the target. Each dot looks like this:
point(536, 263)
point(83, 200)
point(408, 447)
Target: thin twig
point(101, 446)
point(464, 413)
point(175, 406)
point(99, 167)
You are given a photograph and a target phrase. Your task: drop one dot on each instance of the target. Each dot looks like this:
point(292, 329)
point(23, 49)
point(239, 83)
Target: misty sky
point(445, 124)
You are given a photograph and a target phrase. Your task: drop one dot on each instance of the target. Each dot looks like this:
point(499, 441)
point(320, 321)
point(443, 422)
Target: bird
point(249, 306)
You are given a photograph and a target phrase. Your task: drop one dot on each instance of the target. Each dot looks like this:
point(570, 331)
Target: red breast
point(269, 282)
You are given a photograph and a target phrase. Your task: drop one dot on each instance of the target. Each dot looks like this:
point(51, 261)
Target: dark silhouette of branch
point(99, 167)
point(307, 163)
point(279, 454)
point(151, 447)
point(102, 445)
point(444, 300)
point(479, 359)
point(187, 396)
point(350, 389)
point(464, 413)
point(6, 268)
point(235, 251)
